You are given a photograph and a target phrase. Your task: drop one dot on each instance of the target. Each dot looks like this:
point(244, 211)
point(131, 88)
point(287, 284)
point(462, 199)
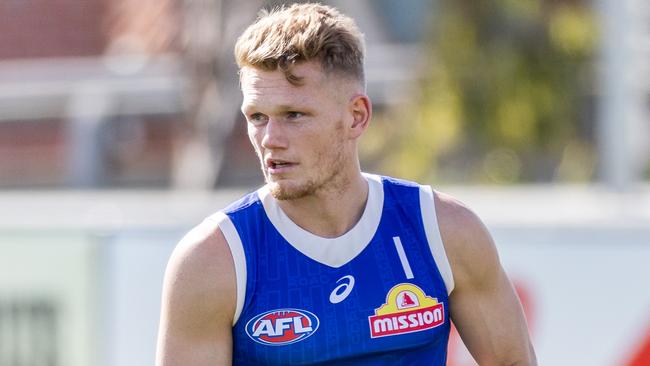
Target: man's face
point(298, 131)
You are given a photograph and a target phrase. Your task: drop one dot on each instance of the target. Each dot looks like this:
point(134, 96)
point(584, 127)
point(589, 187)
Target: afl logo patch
point(282, 326)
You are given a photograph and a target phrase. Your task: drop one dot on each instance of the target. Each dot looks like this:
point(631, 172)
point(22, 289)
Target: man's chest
point(300, 311)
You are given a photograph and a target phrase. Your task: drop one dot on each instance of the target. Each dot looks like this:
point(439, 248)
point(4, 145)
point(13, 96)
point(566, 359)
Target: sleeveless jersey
point(377, 295)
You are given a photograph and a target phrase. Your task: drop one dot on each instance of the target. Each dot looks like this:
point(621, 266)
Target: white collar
point(334, 252)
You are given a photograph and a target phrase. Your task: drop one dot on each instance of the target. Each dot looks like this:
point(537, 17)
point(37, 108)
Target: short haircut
point(285, 36)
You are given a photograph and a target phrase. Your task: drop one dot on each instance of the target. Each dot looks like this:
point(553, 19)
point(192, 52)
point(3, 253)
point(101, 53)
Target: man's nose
point(274, 135)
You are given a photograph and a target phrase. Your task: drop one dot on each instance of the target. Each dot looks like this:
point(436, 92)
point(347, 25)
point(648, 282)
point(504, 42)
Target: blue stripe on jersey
point(386, 319)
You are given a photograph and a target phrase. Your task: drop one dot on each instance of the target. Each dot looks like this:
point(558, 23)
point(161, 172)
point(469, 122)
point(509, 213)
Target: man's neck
point(332, 212)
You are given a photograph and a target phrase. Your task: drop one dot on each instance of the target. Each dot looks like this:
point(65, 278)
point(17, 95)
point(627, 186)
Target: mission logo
point(282, 326)
point(407, 309)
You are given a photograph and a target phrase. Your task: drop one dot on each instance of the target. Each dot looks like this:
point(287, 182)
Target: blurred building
point(89, 92)
point(129, 93)
point(125, 93)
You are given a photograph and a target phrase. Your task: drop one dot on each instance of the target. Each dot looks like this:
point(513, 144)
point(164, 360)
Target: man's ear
point(360, 109)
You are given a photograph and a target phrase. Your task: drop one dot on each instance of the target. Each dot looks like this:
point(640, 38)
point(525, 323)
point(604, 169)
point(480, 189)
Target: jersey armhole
point(237, 250)
point(432, 232)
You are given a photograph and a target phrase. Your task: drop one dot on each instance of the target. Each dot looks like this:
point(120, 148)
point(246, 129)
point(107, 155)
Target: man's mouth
point(278, 165)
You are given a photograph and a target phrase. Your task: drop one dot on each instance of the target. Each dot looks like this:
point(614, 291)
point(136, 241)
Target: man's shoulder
point(204, 240)
point(467, 241)
point(244, 202)
point(453, 213)
point(200, 283)
point(394, 181)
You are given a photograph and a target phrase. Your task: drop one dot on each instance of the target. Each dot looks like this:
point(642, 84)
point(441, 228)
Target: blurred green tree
point(505, 96)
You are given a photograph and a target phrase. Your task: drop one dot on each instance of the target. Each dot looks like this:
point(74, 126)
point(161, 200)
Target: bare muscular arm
point(199, 295)
point(484, 306)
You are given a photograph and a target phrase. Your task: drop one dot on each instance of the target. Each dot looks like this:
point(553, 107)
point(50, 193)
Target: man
point(325, 264)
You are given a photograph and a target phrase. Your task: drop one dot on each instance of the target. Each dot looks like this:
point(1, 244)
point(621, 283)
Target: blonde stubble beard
point(335, 181)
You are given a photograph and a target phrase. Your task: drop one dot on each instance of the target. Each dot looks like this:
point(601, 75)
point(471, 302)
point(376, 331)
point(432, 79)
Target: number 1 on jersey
point(402, 257)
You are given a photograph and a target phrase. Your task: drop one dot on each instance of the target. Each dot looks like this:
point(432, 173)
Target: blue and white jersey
point(377, 295)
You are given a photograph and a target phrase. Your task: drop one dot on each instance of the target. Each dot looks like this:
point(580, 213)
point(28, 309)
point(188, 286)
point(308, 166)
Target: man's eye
point(294, 115)
point(257, 118)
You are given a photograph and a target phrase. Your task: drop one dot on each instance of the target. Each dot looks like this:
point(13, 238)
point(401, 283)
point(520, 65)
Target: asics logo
point(342, 291)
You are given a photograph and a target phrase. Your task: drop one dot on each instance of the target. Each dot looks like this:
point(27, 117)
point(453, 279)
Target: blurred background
point(120, 129)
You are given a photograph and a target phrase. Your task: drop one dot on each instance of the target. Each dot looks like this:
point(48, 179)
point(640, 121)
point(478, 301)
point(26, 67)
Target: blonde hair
point(285, 36)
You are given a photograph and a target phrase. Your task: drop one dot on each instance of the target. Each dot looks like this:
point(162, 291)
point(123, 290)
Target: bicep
point(175, 347)
point(198, 304)
point(490, 320)
point(484, 306)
